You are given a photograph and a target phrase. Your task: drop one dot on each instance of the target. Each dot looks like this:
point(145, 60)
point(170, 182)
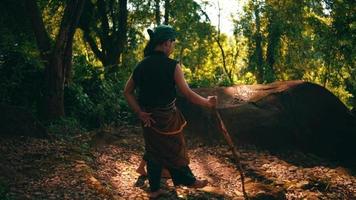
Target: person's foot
point(199, 184)
point(140, 182)
point(156, 194)
point(141, 171)
point(165, 174)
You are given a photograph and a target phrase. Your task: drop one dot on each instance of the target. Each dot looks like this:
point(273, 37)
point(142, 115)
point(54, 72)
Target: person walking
point(155, 79)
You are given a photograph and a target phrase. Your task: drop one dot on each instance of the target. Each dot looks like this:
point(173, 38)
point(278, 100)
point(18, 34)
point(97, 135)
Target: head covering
point(158, 35)
point(162, 33)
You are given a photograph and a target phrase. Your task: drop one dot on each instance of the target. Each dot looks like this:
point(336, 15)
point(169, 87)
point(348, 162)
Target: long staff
point(235, 153)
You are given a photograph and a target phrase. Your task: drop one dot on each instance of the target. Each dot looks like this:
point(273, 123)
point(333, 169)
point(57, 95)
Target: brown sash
point(169, 119)
point(164, 140)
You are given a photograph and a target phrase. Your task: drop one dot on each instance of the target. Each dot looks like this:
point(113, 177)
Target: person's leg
point(165, 173)
point(142, 171)
point(199, 184)
point(184, 176)
point(141, 168)
point(154, 171)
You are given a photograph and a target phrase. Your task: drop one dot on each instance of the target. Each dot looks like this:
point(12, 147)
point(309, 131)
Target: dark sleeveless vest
point(154, 80)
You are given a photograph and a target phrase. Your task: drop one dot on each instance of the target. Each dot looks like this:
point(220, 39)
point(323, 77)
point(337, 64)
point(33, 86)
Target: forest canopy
point(72, 58)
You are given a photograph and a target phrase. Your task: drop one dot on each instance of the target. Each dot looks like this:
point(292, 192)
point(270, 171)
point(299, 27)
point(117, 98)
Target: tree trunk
point(227, 72)
point(54, 87)
point(61, 59)
point(258, 51)
point(68, 61)
point(166, 11)
point(122, 33)
point(42, 38)
point(157, 12)
point(57, 59)
point(113, 38)
point(274, 34)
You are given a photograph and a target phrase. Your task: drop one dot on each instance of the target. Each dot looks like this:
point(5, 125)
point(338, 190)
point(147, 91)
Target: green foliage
point(194, 43)
point(21, 71)
point(4, 190)
point(92, 99)
point(21, 79)
point(14, 29)
point(66, 126)
point(309, 40)
point(95, 98)
point(78, 105)
point(273, 40)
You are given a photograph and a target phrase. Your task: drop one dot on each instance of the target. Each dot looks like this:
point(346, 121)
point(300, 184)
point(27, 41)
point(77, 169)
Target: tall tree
point(57, 55)
point(158, 12)
point(344, 36)
point(262, 24)
point(194, 31)
point(258, 54)
point(274, 36)
point(218, 41)
point(217, 37)
point(250, 26)
point(104, 24)
point(167, 5)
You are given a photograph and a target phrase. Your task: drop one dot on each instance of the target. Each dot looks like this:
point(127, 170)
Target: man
point(155, 79)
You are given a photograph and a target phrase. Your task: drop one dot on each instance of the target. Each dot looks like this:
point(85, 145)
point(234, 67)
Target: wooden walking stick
point(235, 153)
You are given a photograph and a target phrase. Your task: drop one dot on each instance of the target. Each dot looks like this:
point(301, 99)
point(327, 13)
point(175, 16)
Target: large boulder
point(288, 114)
point(17, 121)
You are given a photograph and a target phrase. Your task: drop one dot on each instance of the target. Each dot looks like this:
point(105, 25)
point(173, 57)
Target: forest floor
point(101, 165)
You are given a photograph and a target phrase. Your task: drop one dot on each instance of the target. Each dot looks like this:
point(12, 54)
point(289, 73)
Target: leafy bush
point(21, 79)
point(96, 98)
point(66, 126)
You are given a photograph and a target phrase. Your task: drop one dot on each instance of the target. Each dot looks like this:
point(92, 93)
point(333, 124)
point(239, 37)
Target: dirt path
point(104, 168)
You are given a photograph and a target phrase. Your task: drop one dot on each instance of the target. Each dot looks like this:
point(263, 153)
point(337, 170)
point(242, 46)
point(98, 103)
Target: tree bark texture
point(157, 12)
point(166, 11)
point(258, 51)
point(58, 58)
point(107, 42)
point(274, 35)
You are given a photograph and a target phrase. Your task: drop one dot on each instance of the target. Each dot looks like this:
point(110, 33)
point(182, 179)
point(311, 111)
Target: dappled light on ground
point(58, 169)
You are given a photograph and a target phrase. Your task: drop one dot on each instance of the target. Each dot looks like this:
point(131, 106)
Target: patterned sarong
point(164, 140)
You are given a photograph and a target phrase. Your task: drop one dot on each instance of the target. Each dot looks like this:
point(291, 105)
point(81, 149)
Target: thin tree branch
point(104, 39)
point(42, 39)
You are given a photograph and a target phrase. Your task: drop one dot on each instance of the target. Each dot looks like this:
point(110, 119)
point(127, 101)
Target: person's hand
point(146, 118)
point(212, 100)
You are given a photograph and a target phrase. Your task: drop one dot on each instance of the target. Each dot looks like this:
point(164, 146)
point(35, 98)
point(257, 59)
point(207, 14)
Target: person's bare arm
point(131, 100)
point(190, 94)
